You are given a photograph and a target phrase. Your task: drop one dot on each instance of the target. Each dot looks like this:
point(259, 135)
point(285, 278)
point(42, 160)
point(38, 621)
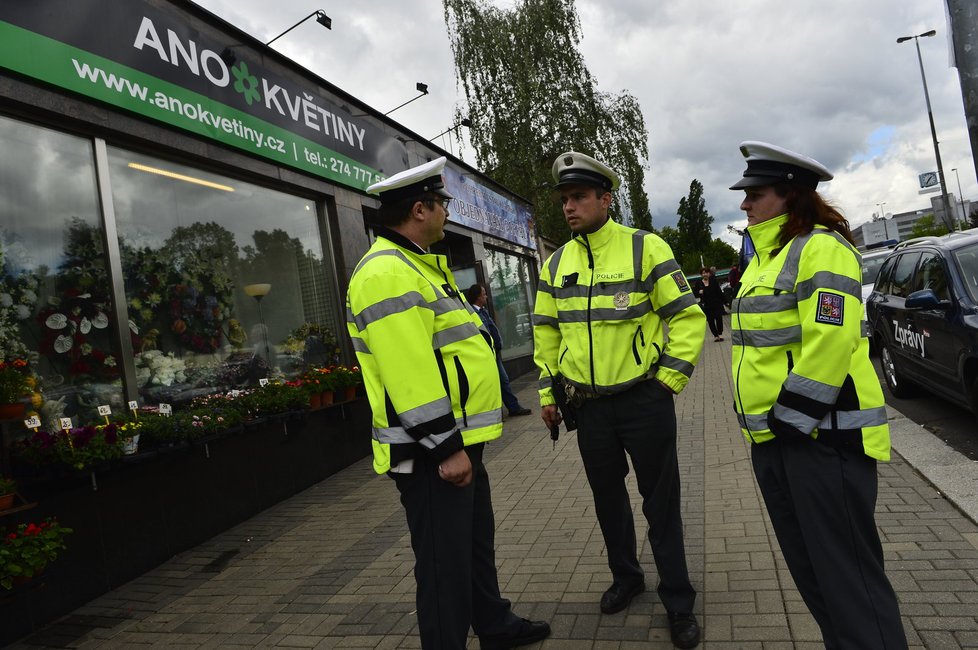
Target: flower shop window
point(55, 303)
point(226, 282)
point(511, 286)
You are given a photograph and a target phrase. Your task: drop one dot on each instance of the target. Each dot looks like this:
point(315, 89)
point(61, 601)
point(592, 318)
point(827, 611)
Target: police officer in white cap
point(603, 304)
point(808, 399)
point(431, 378)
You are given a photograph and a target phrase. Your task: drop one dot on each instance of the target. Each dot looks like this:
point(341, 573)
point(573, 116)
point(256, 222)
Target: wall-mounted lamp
point(466, 122)
point(422, 88)
point(321, 18)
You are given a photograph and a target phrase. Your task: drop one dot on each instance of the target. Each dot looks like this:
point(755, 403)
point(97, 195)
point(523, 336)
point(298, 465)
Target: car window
point(902, 274)
point(931, 275)
point(883, 279)
point(967, 259)
point(871, 268)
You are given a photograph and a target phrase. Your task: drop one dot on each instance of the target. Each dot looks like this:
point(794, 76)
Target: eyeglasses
point(444, 202)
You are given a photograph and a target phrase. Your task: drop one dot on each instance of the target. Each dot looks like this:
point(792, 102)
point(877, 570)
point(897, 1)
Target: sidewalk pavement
point(332, 566)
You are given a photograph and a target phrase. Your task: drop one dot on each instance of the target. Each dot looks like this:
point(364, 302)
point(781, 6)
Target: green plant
point(7, 485)
point(78, 447)
point(344, 377)
point(15, 380)
point(29, 549)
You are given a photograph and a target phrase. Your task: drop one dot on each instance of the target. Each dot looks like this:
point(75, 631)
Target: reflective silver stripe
point(435, 439)
point(360, 346)
point(789, 272)
point(545, 382)
point(753, 422)
point(539, 319)
point(554, 263)
point(454, 334)
point(392, 252)
point(543, 287)
point(674, 363)
point(661, 270)
point(425, 413)
point(797, 419)
point(387, 307)
point(479, 420)
point(392, 435)
point(604, 313)
point(816, 390)
point(829, 280)
point(873, 417)
point(349, 314)
point(767, 338)
point(765, 304)
point(599, 289)
point(601, 390)
point(682, 302)
point(638, 247)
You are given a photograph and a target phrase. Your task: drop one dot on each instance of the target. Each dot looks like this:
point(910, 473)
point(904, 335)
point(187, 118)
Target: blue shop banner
point(480, 208)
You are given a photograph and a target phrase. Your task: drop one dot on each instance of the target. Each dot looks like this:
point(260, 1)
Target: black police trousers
point(453, 536)
point(822, 503)
point(641, 422)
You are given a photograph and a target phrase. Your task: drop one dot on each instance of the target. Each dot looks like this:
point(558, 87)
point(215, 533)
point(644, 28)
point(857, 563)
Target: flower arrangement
point(344, 377)
point(26, 551)
point(154, 368)
point(78, 447)
point(15, 380)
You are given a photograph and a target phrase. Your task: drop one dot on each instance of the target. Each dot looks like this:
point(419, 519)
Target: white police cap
point(768, 164)
point(412, 183)
point(573, 168)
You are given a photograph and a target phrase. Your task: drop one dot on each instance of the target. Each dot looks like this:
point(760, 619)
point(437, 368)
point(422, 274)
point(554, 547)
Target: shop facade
point(182, 210)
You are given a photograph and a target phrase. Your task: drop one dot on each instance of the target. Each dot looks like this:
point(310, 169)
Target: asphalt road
point(956, 426)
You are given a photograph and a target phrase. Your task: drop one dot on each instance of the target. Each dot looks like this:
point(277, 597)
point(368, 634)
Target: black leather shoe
point(684, 629)
point(520, 411)
point(618, 596)
point(523, 633)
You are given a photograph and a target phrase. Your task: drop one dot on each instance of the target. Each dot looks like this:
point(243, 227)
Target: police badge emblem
point(621, 300)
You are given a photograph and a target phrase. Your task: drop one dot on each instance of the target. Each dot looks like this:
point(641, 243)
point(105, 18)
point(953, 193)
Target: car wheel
point(896, 381)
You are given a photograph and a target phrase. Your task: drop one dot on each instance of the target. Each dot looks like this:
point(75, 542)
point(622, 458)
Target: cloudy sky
point(823, 77)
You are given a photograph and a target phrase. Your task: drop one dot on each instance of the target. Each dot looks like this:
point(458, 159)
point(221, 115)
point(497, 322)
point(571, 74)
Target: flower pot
point(350, 393)
point(7, 501)
point(130, 445)
point(315, 401)
point(13, 411)
point(327, 398)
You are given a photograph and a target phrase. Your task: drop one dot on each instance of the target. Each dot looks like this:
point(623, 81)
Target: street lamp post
point(422, 88)
point(964, 217)
point(948, 220)
point(321, 18)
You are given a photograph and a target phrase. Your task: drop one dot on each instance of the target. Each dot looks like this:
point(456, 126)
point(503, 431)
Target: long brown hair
point(806, 208)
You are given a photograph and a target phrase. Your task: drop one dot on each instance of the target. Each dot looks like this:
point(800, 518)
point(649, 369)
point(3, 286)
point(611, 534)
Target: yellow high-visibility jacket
point(602, 306)
point(428, 366)
point(800, 353)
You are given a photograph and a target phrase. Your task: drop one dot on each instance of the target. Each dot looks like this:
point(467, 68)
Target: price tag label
point(263, 381)
point(65, 423)
point(166, 409)
point(33, 422)
point(105, 409)
point(133, 405)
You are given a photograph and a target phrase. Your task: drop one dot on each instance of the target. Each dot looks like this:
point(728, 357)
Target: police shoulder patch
point(830, 308)
point(680, 280)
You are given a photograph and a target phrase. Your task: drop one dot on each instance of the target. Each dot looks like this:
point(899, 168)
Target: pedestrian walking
point(808, 398)
point(602, 307)
point(478, 298)
point(433, 388)
point(707, 290)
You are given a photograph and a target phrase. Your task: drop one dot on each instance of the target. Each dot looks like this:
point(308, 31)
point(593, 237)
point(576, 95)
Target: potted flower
point(79, 447)
point(128, 432)
point(346, 381)
point(8, 490)
point(28, 550)
point(322, 380)
point(16, 382)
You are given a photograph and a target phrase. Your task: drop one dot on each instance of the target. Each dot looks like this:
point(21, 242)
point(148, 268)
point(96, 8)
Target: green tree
point(926, 226)
point(530, 97)
point(720, 254)
point(671, 236)
point(694, 228)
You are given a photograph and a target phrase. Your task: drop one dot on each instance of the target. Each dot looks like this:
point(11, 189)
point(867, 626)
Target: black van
point(923, 317)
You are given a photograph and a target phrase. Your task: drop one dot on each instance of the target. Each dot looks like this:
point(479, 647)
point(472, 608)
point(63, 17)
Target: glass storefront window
point(225, 281)
point(512, 291)
point(55, 299)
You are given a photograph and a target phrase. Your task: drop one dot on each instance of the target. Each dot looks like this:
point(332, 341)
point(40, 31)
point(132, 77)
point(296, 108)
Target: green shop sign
point(132, 55)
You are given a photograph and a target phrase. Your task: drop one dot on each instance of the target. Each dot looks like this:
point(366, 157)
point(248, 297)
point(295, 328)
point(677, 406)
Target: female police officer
point(808, 399)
